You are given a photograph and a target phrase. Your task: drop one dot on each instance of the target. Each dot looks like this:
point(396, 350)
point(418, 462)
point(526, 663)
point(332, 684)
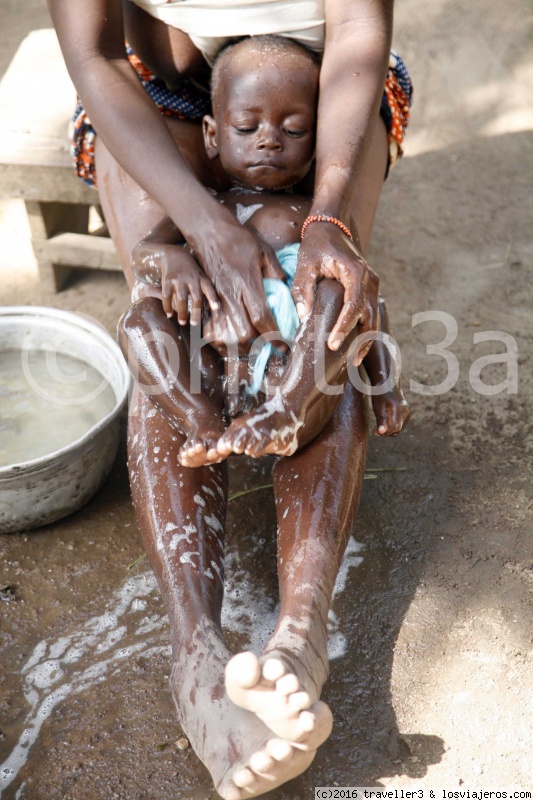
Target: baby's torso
point(277, 218)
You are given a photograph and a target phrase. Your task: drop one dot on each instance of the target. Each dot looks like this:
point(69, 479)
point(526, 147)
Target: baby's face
point(265, 118)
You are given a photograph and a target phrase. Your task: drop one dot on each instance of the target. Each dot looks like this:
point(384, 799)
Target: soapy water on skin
point(47, 401)
point(243, 213)
point(88, 656)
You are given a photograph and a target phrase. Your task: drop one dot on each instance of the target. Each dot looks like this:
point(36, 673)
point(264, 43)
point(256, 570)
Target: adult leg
point(181, 515)
point(317, 494)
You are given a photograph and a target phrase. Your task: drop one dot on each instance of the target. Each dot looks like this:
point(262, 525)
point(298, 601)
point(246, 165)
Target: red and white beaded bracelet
point(325, 218)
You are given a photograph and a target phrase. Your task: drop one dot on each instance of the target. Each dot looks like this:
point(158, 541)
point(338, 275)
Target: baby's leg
point(390, 407)
point(317, 495)
point(308, 393)
point(159, 358)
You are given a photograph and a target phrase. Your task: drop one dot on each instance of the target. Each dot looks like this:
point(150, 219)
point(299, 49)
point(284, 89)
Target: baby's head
point(264, 92)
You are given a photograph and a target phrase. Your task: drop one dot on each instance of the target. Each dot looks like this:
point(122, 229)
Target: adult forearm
point(352, 78)
point(91, 36)
point(137, 136)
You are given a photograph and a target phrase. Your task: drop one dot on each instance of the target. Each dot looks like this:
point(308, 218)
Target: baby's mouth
point(266, 165)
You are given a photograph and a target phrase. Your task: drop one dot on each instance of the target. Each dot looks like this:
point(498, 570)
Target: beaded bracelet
point(325, 218)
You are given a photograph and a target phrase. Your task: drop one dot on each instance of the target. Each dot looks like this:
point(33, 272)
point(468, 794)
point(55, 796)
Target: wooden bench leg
point(46, 220)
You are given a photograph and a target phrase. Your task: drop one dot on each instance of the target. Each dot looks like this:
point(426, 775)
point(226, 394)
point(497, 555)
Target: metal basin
point(45, 489)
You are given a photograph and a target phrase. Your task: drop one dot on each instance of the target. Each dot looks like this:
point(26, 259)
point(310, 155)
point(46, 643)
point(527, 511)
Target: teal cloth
point(283, 308)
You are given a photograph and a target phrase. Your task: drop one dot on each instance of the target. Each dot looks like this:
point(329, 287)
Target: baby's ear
point(209, 127)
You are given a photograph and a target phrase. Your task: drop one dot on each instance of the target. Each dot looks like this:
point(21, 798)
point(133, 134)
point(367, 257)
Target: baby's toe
point(213, 455)
point(240, 441)
point(254, 448)
point(186, 452)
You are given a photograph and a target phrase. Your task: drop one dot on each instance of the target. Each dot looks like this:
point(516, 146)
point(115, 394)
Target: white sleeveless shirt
point(212, 23)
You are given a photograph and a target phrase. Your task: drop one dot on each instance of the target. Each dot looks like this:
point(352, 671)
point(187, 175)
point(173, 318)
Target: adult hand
point(326, 252)
point(220, 334)
point(236, 261)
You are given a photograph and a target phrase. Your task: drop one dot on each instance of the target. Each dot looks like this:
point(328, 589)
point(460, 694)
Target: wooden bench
point(37, 100)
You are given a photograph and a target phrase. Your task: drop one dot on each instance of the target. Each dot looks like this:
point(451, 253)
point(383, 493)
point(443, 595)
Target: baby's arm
point(160, 261)
point(390, 408)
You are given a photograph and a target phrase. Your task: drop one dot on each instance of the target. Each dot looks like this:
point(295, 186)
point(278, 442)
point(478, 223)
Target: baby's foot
point(271, 429)
point(276, 696)
point(391, 411)
point(200, 447)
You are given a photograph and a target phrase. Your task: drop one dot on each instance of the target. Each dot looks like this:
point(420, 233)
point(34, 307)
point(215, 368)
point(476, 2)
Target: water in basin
point(47, 401)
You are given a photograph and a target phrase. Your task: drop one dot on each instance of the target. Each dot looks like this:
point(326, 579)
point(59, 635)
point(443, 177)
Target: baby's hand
point(184, 287)
point(391, 411)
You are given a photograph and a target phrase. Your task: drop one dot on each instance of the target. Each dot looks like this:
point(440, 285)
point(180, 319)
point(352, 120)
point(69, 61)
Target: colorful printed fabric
point(192, 103)
point(396, 105)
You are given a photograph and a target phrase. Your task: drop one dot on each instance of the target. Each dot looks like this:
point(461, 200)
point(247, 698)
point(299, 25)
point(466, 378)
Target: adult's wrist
point(193, 210)
point(325, 218)
point(203, 222)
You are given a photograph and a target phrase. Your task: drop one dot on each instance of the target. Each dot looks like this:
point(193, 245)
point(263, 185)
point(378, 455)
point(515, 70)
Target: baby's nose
point(269, 140)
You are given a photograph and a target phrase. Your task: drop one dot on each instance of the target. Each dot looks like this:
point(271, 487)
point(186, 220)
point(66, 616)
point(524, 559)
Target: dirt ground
point(431, 634)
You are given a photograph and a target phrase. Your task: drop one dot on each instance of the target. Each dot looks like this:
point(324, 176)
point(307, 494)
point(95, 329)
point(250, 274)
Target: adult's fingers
point(350, 315)
point(271, 267)
point(303, 290)
point(210, 293)
point(360, 308)
point(254, 296)
point(240, 316)
point(210, 334)
point(220, 332)
point(260, 315)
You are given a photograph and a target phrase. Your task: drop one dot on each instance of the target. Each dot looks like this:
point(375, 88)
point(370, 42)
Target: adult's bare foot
point(276, 695)
point(243, 757)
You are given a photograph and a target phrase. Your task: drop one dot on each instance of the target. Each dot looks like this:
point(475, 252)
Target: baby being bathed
point(263, 134)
